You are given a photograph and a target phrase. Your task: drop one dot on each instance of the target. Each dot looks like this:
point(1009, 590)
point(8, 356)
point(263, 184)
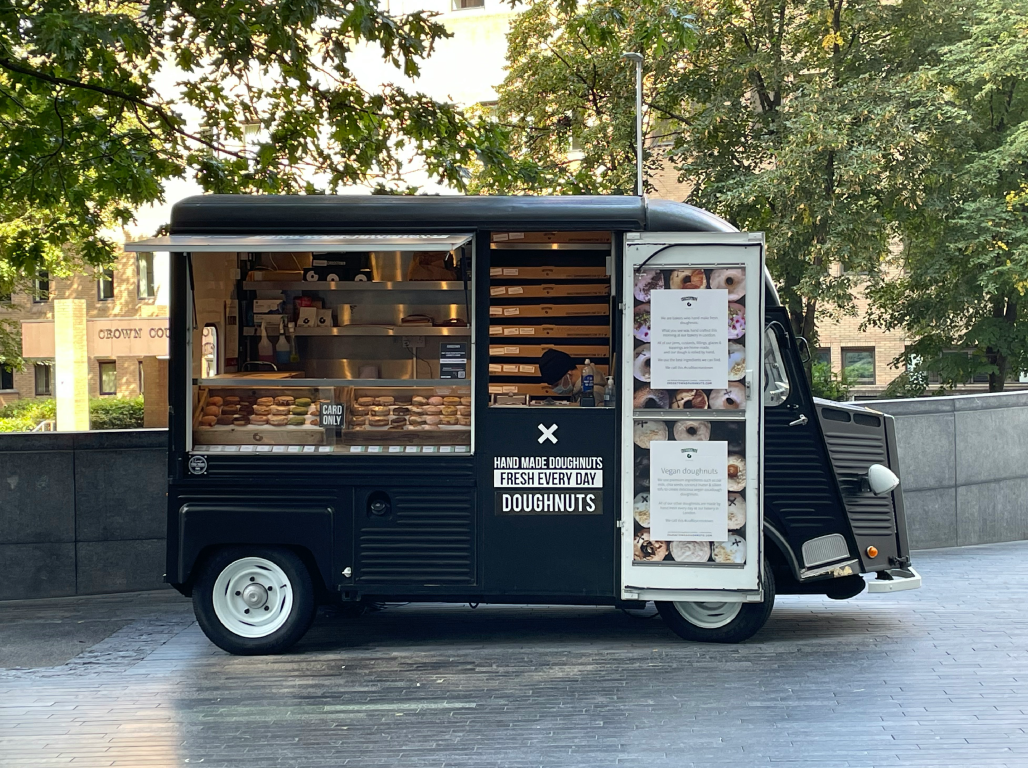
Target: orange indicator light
point(872, 551)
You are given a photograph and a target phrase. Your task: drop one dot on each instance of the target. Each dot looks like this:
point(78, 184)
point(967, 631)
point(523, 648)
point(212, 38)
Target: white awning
point(296, 243)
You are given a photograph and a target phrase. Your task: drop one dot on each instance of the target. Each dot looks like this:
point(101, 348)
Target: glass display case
point(355, 351)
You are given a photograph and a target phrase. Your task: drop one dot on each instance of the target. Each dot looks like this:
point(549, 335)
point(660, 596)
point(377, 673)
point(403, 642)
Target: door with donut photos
point(691, 517)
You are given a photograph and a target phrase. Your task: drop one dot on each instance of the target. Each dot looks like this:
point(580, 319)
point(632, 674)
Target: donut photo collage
point(731, 551)
point(732, 280)
point(733, 397)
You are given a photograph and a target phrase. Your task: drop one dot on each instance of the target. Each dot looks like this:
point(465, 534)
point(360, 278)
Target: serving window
point(349, 349)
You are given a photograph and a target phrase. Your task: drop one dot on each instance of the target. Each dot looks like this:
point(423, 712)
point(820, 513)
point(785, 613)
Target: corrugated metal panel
point(427, 539)
point(797, 482)
point(853, 449)
point(345, 470)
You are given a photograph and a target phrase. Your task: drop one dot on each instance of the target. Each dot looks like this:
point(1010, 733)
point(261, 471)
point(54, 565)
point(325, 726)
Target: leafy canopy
point(568, 101)
point(961, 295)
point(102, 102)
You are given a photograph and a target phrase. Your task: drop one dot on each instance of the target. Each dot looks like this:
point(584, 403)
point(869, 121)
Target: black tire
point(297, 619)
point(749, 620)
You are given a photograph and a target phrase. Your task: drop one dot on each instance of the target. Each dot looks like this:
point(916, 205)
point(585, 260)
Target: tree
point(802, 126)
point(961, 298)
point(568, 100)
point(103, 102)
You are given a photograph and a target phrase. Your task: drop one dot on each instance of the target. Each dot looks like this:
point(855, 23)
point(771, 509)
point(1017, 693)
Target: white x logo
point(547, 434)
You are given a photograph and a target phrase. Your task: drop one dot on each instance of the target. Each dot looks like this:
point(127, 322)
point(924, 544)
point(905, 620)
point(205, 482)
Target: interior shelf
point(357, 287)
point(372, 330)
point(249, 383)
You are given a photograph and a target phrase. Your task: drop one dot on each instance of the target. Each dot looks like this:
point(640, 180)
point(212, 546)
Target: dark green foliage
point(116, 413)
point(825, 384)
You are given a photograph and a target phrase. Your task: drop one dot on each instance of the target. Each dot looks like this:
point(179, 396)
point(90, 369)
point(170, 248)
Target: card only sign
point(330, 414)
point(689, 490)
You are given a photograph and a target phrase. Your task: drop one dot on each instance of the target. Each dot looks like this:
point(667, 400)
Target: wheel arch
point(204, 529)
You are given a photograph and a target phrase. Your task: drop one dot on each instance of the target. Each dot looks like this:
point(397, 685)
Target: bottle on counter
point(294, 355)
point(608, 393)
point(588, 381)
point(265, 351)
point(282, 347)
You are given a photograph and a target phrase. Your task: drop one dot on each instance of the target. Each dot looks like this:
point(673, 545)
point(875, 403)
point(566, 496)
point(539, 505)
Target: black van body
point(435, 543)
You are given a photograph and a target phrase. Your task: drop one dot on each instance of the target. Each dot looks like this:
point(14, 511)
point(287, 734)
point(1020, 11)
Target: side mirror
point(881, 480)
point(803, 347)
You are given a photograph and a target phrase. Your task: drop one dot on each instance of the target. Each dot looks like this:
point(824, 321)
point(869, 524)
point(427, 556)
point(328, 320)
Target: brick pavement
point(936, 677)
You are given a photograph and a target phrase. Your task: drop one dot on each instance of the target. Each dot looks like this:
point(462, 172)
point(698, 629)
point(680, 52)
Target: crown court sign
point(105, 337)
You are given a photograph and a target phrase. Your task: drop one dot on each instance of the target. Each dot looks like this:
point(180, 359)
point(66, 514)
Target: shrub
point(116, 413)
point(826, 384)
point(24, 415)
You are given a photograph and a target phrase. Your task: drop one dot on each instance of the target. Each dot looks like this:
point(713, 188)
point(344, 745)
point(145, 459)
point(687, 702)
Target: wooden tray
point(549, 310)
point(407, 437)
point(536, 350)
point(525, 332)
point(546, 273)
point(264, 435)
point(541, 291)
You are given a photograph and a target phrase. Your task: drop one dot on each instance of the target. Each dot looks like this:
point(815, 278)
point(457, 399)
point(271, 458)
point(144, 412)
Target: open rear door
point(692, 443)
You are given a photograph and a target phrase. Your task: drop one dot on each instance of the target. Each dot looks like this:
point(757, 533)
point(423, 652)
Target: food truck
point(565, 400)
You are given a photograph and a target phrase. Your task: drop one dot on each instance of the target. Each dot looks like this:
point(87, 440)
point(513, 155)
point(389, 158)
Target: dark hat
point(554, 364)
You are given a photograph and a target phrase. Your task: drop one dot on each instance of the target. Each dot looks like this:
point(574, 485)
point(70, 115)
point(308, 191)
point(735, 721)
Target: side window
point(776, 381)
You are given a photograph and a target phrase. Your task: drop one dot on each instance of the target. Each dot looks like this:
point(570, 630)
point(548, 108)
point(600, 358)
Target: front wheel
point(719, 622)
point(254, 600)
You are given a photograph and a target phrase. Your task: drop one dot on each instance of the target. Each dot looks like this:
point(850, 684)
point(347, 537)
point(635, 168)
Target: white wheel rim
point(252, 597)
point(709, 615)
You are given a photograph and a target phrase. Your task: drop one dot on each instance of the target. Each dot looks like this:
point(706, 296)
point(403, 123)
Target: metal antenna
point(638, 59)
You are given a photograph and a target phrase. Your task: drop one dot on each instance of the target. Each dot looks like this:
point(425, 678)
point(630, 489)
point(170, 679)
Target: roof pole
point(638, 59)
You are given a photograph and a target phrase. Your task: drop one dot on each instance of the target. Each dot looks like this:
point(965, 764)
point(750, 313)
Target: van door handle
point(801, 421)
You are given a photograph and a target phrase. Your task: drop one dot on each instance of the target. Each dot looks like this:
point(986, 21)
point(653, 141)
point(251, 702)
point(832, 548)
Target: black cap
point(554, 364)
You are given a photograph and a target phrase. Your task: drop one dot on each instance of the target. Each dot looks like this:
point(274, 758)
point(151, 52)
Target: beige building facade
point(126, 320)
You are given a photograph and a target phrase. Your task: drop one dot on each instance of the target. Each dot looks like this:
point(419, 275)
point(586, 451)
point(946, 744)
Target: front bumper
point(895, 580)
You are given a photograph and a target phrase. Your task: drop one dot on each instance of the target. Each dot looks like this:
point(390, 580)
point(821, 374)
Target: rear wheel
point(720, 622)
point(254, 600)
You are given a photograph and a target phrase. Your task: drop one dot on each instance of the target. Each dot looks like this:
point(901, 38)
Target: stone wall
point(82, 512)
point(963, 467)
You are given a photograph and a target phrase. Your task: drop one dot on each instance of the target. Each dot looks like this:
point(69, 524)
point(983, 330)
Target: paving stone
point(936, 677)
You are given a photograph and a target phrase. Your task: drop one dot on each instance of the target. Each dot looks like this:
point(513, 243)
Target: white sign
point(689, 490)
point(689, 339)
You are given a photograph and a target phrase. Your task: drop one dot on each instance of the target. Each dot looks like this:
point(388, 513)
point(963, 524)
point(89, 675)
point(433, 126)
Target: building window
point(144, 270)
point(824, 355)
point(108, 378)
point(41, 287)
point(140, 377)
point(460, 5)
point(43, 380)
point(858, 366)
point(6, 378)
point(105, 285)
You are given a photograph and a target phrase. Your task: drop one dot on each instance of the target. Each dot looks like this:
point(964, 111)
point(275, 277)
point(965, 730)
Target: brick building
point(127, 318)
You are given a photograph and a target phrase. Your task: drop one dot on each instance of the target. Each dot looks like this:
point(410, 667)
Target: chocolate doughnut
point(647, 550)
point(239, 420)
point(225, 421)
point(232, 400)
point(689, 398)
point(651, 398)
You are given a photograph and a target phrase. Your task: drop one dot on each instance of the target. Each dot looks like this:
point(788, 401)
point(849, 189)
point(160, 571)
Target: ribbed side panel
point(345, 469)
point(254, 496)
point(428, 539)
point(853, 449)
point(797, 486)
